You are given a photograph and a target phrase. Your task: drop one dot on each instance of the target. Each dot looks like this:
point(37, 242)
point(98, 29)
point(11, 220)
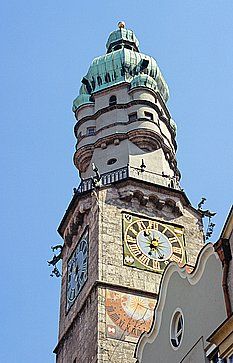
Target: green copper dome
point(143, 80)
point(122, 63)
point(122, 36)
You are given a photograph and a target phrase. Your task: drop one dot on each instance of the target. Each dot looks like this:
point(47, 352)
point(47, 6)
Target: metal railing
point(124, 173)
point(105, 179)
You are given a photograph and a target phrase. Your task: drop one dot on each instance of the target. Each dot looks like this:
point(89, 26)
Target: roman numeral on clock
point(156, 265)
point(135, 250)
point(175, 259)
point(130, 239)
point(177, 250)
point(172, 239)
point(153, 225)
point(141, 225)
point(131, 229)
point(144, 259)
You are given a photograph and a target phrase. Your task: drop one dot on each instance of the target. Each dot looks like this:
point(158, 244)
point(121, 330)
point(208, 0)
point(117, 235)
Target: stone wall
point(82, 333)
point(80, 340)
point(111, 268)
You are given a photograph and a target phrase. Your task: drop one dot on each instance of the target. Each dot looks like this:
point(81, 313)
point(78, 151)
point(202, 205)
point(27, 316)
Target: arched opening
point(111, 161)
point(99, 80)
point(112, 100)
point(107, 78)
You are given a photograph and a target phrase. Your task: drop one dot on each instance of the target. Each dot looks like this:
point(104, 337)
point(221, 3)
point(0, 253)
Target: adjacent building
point(193, 319)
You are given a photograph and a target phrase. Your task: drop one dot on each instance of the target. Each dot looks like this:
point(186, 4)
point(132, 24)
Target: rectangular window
point(149, 115)
point(133, 116)
point(90, 131)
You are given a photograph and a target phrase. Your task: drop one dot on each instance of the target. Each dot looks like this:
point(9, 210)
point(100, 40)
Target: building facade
point(129, 217)
point(193, 320)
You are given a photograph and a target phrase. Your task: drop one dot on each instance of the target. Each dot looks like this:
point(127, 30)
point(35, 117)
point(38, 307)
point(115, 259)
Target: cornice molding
point(97, 114)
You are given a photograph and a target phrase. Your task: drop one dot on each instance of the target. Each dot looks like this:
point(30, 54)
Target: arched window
point(107, 78)
point(99, 80)
point(112, 100)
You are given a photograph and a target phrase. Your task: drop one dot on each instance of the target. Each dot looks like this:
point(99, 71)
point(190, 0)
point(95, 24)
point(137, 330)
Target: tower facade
point(129, 217)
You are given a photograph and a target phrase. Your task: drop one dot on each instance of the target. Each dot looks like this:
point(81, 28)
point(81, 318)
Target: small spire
point(121, 24)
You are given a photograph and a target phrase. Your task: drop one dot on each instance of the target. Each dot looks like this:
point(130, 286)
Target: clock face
point(77, 270)
point(150, 244)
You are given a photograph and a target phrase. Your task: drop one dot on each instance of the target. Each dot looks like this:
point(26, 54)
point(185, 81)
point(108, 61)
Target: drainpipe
point(222, 247)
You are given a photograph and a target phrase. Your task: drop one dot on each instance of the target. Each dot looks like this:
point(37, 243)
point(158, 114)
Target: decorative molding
point(160, 204)
point(76, 221)
point(160, 113)
point(82, 156)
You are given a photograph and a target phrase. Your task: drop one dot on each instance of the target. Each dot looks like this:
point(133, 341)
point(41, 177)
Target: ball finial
point(121, 24)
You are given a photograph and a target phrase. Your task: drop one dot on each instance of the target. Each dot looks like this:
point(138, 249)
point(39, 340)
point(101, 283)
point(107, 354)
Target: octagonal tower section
point(123, 125)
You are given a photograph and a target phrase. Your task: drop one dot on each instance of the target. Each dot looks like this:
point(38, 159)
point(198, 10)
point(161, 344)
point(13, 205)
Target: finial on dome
point(121, 24)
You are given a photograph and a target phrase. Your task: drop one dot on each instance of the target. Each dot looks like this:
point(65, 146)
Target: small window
point(99, 80)
point(112, 100)
point(93, 83)
point(133, 116)
point(107, 78)
point(111, 161)
point(176, 329)
point(149, 116)
point(90, 131)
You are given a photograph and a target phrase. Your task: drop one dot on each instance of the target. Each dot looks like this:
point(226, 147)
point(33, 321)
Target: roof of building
point(123, 62)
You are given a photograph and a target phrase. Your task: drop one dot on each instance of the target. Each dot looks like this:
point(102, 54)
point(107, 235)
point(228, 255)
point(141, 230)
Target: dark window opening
point(99, 80)
point(128, 47)
point(133, 116)
point(112, 100)
point(152, 74)
point(117, 47)
point(172, 184)
point(111, 161)
point(107, 78)
point(149, 115)
point(91, 131)
point(93, 83)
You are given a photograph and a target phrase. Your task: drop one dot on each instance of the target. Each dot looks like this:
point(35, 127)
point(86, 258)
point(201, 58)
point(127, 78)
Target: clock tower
point(129, 217)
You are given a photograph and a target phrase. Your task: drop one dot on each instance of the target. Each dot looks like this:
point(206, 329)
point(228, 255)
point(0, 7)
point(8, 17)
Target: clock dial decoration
point(127, 315)
point(77, 270)
point(150, 244)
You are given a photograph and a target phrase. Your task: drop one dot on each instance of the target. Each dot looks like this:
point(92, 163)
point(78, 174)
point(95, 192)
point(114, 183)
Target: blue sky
point(46, 47)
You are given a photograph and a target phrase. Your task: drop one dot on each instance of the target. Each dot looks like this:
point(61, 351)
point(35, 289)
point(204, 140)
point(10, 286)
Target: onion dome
point(143, 80)
point(122, 63)
point(122, 37)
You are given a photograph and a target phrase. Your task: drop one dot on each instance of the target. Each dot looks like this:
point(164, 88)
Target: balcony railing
point(123, 173)
point(105, 179)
